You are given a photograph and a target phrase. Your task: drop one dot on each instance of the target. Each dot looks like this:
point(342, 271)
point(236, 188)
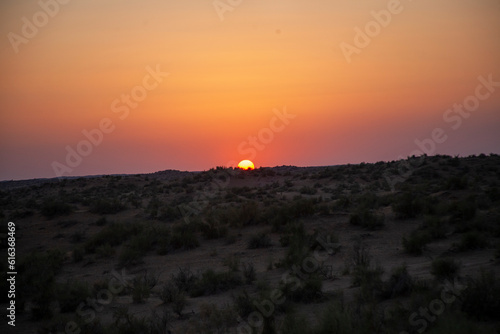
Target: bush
point(52, 208)
point(101, 221)
point(106, 207)
point(368, 201)
point(364, 275)
point(370, 280)
point(71, 294)
point(416, 242)
point(365, 218)
point(445, 268)
point(310, 289)
point(295, 324)
point(212, 282)
point(243, 304)
point(462, 211)
point(105, 251)
point(125, 323)
point(458, 323)
point(36, 280)
point(114, 235)
point(481, 299)
point(184, 279)
point(211, 319)
point(457, 183)
point(161, 239)
point(247, 214)
point(400, 283)
point(129, 257)
point(493, 193)
point(179, 302)
point(435, 227)
point(298, 247)
point(301, 207)
point(143, 242)
point(249, 272)
point(184, 237)
point(472, 240)
point(142, 285)
point(360, 255)
point(308, 190)
point(260, 240)
point(336, 320)
point(168, 292)
point(233, 263)
point(212, 228)
point(278, 216)
point(407, 205)
point(78, 254)
point(342, 203)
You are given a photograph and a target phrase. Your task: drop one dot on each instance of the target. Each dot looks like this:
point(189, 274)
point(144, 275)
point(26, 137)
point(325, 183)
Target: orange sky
point(225, 78)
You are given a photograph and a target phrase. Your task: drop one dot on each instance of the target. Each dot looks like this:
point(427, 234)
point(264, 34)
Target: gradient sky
point(227, 76)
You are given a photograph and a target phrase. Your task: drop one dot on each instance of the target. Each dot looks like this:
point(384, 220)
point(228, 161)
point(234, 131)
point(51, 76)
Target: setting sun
point(246, 164)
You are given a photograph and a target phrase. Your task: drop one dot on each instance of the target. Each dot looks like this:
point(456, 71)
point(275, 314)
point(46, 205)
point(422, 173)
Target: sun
point(246, 165)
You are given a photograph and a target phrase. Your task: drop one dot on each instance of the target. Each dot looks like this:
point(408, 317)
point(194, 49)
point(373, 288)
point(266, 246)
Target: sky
point(121, 86)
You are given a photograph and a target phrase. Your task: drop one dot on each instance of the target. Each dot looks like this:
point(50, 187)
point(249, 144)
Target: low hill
point(390, 247)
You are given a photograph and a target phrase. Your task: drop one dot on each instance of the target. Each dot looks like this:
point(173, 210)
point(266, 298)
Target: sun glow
point(246, 165)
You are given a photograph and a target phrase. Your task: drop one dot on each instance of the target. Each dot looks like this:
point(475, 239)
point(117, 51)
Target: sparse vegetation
point(213, 320)
point(249, 272)
point(260, 240)
point(407, 205)
point(36, 279)
point(364, 274)
point(445, 268)
point(52, 208)
point(309, 290)
point(142, 285)
point(184, 237)
point(106, 207)
point(295, 324)
point(71, 294)
point(211, 282)
point(275, 246)
point(367, 219)
point(233, 263)
point(336, 319)
point(415, 243)
point(113, 235)
point(400, 283)
point(472, 240)
point(481, 299)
